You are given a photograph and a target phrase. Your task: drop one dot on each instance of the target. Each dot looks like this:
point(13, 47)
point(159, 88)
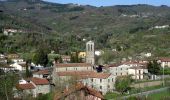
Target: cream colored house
point(73, 67)
point(119, 69)
point(137, 72)
point(165, 62)
point(103, 82)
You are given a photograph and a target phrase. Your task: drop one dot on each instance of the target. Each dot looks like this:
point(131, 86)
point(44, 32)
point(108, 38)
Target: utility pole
point(163, 77)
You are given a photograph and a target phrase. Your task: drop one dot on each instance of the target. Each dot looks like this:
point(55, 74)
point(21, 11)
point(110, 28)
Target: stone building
point(90, 52)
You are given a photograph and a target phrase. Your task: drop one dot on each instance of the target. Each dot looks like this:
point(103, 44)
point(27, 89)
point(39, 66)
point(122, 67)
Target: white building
point(165, 62)
point(137, 72)
point(19, 66)
point(119, 69)
point(103, 82)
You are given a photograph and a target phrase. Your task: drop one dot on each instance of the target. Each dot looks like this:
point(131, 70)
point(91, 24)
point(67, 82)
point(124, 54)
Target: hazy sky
point(113, 2)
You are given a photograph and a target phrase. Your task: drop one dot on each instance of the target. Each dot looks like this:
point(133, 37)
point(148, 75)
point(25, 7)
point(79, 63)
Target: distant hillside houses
point(10, 31)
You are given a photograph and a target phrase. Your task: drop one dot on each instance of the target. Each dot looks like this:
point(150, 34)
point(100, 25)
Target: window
point(66, 69)
point(108, 86)
point(127, 73)
point(108, 80)
point(139, 71)
point(100, 80)
point(116, 73)
point(112, 80)
point(91, 47)
point(88, 48)
point(100, 87)
point(91, 80)
point(121, 69)
point(121, 73)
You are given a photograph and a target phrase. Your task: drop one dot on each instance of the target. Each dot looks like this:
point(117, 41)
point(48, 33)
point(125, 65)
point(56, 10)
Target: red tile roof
point(25, 86)
point(42, 72)
point(84, 74)
point(164, 59)
point(76, 88)
point(73, 65)
point(39, 81)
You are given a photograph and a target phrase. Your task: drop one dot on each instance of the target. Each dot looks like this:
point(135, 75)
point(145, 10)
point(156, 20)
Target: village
point(85, 80)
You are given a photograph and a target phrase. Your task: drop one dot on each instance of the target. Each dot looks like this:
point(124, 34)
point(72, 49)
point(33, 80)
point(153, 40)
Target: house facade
point(165, 62)
point(33, 86)
point(102, 82)
point(137, 72)
point(73, 67)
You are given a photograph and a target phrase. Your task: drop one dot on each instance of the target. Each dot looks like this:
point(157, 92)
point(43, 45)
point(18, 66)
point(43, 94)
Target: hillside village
point(51, 51)
point(66, 79)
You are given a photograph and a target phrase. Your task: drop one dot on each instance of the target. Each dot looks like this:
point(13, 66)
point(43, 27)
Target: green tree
point(28, 73)
point(7, 83)
point(40, 57)
point(122, 83)
point(153, 67)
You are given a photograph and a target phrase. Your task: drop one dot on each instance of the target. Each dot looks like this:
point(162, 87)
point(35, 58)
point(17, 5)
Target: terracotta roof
point(25, 86)
point(73, 65)
point(164, 59)
point(76, 88)
point(39, 81)
point(115, 65)
point(84, 74)
point(42, 72)
point(130, 62)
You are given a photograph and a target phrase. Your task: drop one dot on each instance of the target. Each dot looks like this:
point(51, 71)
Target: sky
point(113, 2)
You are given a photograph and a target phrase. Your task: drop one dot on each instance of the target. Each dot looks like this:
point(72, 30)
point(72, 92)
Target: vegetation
point(153, 67)
point(122, 84)
point(40, 57)
point(62, 28)
point(7, 83)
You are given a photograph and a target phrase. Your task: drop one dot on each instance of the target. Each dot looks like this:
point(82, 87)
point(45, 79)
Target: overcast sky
point(113, 2)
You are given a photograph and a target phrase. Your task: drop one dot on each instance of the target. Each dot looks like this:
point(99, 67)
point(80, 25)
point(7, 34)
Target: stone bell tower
point(90, 50)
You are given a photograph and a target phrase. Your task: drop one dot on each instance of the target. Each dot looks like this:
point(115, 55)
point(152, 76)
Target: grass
point(132, 91)
point(111, 95)
point(165, 95)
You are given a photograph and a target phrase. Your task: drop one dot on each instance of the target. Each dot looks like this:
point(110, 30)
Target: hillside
point(62, 27)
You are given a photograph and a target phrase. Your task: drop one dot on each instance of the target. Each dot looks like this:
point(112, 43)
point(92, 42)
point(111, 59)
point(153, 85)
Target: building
point(25, 88)
point(32, 86)
point(73, 67)
point(79, 92)
point(42, 74)
point(90, 52)
point(42, 86)
point(119, 69)
point(65, 58)
point(137, 72)
point(82, 55)
point(20, 66)
point(103, 82)
point(165, 62)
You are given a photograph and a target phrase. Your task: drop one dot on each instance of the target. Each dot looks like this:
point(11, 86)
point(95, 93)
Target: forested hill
point(130, 27)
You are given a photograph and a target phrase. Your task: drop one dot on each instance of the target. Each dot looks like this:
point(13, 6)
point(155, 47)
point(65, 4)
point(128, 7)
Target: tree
point(28, 73)
point(122, 83)
point(40, 57)
point(153, 67)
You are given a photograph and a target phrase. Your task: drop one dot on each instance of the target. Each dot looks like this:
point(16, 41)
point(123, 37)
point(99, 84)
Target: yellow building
point(82, 55)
